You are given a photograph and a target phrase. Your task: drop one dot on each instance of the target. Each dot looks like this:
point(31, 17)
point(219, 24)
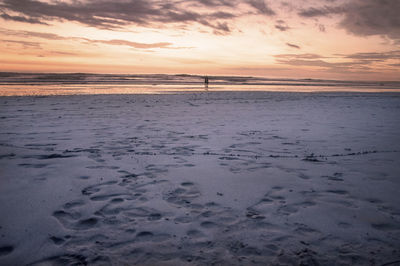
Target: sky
point(329, 39)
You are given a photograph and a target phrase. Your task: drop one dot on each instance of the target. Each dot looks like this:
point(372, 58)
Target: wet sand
point(225, 178)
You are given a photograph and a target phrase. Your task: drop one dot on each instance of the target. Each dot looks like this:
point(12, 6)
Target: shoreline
point(200, 90)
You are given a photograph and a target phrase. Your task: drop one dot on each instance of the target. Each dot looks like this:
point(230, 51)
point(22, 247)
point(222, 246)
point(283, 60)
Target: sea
point(42, 84)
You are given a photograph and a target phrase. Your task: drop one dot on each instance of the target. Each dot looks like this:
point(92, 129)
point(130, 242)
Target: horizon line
point(199, 75)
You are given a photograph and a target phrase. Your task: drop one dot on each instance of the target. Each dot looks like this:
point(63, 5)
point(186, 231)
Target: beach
point(200, 178)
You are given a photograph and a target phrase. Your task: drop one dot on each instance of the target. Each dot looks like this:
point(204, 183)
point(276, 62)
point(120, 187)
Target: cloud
point(29, 34)
point(220, 28)
point(134, 44)
point(112, 14)
point(342, 67)
point(216, 3)
point(261, 7)
point(281, 25)
point(299, 56)
point(293, 45)
point(371, 17)
point(55, 37)
point(21, 19)
point(25, 44)
point(375, 56)
point(322, 11)
point(354, 63)
point(303, 62)
point(363, 17)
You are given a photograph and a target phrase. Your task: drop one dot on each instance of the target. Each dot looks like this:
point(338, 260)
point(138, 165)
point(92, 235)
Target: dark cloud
point(221, 28)
point(322, 11)
point(93, 13)
point(281, 25)
point(363, 17)
point(216, 3)
point(111, 14)
point(373, 17)
point(261, 7)
point(21, 19)
point(293, 45)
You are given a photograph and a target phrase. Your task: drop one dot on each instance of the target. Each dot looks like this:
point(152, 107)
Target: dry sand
point(200, 179)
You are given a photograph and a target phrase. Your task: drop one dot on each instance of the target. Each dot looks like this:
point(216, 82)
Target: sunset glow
point(342, 39)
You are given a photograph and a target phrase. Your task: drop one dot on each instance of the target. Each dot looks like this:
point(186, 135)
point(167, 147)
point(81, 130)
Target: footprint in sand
point(209, 225)
point(68, 259)
point(278, 201)
point(38, 165)
point(73, 204)
point(187, 184)
point(154, 217)
point(304, 229)
point(96, 188)
point(183, 219)
point(335, 177)
point(194, 233)
point(338, 191)
point(385, 226)
point(71, 220)
point(108, 196)
point(304, 176)
point(144, 235)
point(254, 214)
point(64, 216)
point(183, 194)
point(152, 236)
point(86, 223)
point(57, 240)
